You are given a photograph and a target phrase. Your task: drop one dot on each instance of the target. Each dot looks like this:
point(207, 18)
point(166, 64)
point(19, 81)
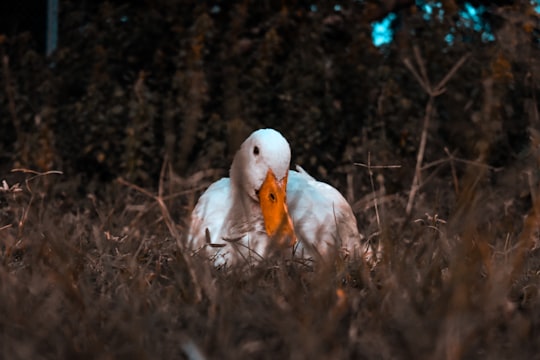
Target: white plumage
point(241, 218)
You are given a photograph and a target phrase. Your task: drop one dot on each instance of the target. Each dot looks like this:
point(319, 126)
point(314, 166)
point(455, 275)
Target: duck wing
point(322, 218)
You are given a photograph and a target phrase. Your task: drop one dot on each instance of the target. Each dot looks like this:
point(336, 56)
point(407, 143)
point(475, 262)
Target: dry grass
point(103, 277)
point(98, 271)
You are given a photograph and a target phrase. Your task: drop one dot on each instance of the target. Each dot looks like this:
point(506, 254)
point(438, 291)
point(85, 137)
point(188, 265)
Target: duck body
point(241, 219)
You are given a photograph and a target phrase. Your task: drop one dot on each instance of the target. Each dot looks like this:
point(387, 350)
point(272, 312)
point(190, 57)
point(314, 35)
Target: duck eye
point(256, 150)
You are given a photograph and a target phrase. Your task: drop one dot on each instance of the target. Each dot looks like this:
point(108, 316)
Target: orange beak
point(273, 201)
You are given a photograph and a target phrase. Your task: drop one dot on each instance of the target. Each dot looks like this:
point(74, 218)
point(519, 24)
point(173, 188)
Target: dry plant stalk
point(432, 92)
point(169, 222)
point(26, 210)
point(370, 168)
point(36, 175)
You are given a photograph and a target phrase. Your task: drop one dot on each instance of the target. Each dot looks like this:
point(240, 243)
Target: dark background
point(208, 77)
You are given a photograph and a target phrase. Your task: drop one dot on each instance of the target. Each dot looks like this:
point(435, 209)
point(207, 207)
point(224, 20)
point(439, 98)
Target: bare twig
point(433, 92)
point(379, 250)
point(458, 160)
point(422, 66)
point(375, 199)
point(373, 190)
point(452, 71)
point(36, 175)
point(16, 188)
point(420, 156)
point(368, 201)
point(135, 187)
point(169, 222)
point(453, 168)
point(378, 166)
point(417, 76)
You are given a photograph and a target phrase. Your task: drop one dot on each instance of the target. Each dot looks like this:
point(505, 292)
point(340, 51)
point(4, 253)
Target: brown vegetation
point(144, 104)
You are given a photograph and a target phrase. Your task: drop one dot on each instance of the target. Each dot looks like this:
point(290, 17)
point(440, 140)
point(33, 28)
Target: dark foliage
point(91, 267)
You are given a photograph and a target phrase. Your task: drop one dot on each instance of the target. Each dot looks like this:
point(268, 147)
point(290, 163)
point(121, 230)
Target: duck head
point(259, 170)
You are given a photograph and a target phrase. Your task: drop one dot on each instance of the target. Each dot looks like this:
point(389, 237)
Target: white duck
point(264, 206)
